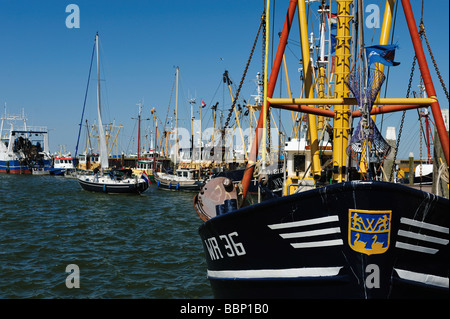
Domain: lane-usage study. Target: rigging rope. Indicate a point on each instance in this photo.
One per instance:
(85, 98)
(168, 107)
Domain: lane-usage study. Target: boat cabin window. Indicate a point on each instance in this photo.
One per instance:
(182, 173)
(299, 163)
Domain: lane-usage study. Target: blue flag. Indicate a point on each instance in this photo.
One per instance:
(383, 54)
(333, 43)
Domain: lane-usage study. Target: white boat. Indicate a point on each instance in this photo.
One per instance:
(62, 165)
(185, 179)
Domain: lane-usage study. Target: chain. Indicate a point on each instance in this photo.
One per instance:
(263, 63)
(245, 73)
(403, 120)
(263, 49)
(422, 32)
(420, 148)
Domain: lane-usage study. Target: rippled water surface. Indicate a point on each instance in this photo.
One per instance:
(126, 246)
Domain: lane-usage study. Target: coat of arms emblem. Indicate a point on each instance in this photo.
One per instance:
(369, 230)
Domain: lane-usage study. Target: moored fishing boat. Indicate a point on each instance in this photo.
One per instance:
(348, 240)
(23, 149)
(184, 179)
(62, 165)
(354, 235)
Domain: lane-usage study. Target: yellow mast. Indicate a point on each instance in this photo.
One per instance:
(309, 89)
(237, 121)
(88, 138)
(115, 139)
(293, 114)
(385, 32)
(266, 76)
(321, 93)
(156, 130)
(342, 111)
(214, 127)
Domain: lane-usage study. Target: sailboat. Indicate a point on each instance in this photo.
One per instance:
(352, 233)
(117, 180)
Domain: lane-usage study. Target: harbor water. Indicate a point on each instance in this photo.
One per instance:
(125, 246)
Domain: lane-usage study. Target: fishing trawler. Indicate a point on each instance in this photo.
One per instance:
(23, 149)
(353, 232)
(104, 180)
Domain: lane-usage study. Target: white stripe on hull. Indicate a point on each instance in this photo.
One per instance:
(275, 273)
(427, 279)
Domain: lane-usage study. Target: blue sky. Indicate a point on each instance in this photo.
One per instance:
(44, 65)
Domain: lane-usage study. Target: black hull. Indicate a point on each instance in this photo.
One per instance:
(114, 189)
(308, 245)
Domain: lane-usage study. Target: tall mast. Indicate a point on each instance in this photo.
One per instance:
(154, 149)
(176, 121)
(139, 130)
(341, 111)
(102, 147)
(265, 107)
(1, 127)
(200, 142)
(214, 126)
(192, 102)
(309, 89)
(363, 98)
(321, 63)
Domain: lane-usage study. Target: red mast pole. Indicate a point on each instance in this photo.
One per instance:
(425, 72)
(139, 132)
(248, 174)
(154, 149)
